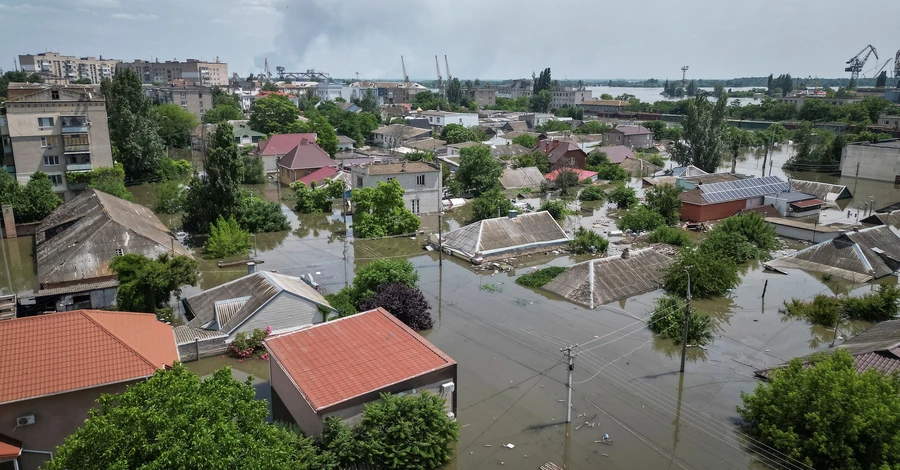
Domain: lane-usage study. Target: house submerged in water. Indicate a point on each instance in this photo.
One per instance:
(502, 237)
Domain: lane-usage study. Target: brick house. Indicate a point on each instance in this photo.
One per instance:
(420, 181)
(304, 159)
(630, 136)
(716, 201)
(563, 154)
(313, 380)
(57, 365)
(277, 146)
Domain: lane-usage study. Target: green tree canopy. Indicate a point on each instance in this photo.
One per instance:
(703, 133)
(176, 420)
(223, 98)
(110, 181)
(368, 102)
(711, 275)
(664, 200)
(667, 320)
(478, 170)
(132, 130)
(217, 192)
(223, 113)
(378, 273)
(641, 219)
(147, 285)
(174, 124)
(490, 204)
(454, 91)
(381, 212)
(623, 197)
(31, 202)
(457, 133)
(540, 101)
(828, 415)
(526, 140)
(593, 127)
(274, 114)
(226, 238)
(326, 137)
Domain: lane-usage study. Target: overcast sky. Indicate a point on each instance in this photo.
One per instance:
(482, 38)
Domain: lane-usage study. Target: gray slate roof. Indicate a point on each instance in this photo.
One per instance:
(225, 307)
(887, 218)
(76, 242)
(823, 191)
(600, 281)
(854, 255)
(514, 178)
(494, 236)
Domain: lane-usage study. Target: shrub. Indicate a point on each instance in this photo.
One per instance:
(378, 273)
(555, 207)
(875, 306)
(670, 236)
(226, 238)
(711, 275)
(316, 199)
(170, 169)
(526, 140)
(404, 302)
(641, 219)
(664, 199)
(111, 181)
(341, 302)
(540, 277)
(490, 204)
(588, 241)
(257, 215)
(667, 320)
(823, 310)
(592, 193)
(610, 172)
(753, 227)
(655, 159)
(169, 197)
(731, 245)
(623, 197)
(245, 346)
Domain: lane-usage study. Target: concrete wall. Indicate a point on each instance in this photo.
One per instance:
(874, 161)
(809, 235)
(56, 417)
(208, 348)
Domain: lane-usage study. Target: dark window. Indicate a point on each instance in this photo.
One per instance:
(420, 180)
(54, 94)
(359, 182)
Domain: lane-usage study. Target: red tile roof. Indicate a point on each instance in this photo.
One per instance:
(306, 154)
(808, 203)
(335, 361)
(62, 352)
(9, 448)
(281, 144)
(582, 174)
(319, 175)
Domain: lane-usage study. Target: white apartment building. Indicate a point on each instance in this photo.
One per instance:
(439, 119)
(568, 97)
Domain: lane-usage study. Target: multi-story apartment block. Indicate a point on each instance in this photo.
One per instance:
(196, 99)
(568, 97)
(55, 129)
(518, 88)
(56, 68)
(192, 71)
(484, 96)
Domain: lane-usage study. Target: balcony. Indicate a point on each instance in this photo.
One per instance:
(79, 148)
(74, 124)
(78, 166)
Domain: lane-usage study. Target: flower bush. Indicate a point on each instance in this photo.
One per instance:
(251, 346)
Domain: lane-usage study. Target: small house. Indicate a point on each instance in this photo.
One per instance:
(508, 235)
(245, 137)
(515, 178)
(304, 159)
(716, 201)
(345, 144)
(630, 136)
(274, 148)
(563, 154)
(334, 369)
(795, 204)
(420, 181)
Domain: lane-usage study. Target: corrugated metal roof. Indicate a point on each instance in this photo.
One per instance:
(513, 178)
(597, 282)
(227, 309)
(185, 334)
(890, 218)
(823, 191)
(87, 287)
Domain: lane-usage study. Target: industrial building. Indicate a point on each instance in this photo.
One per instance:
(872, 160)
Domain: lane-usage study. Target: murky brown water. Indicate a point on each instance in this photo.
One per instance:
(506, 339)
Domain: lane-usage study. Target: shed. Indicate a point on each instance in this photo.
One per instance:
(600, 281)
(825, 191)
(504, 236)
(859, 256)
(514, 178)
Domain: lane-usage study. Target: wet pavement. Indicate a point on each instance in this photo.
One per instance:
(507, 340)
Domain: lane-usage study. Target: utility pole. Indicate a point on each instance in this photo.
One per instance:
(687, 314)
(570, 355)
(440, 211)
(344, 210)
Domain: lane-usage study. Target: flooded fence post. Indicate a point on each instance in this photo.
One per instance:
(765, 286)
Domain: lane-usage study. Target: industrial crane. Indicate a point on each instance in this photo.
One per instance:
(447, 63)
(897, 65)
(440, 82)
(405, 76)
(856, 63)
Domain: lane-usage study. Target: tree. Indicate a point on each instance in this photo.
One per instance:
(554, 125)
(543, 82)
(257, 215)
(175, 125)
(82, 81)
(711, 275)
(318, 198)
(538, 159)
(664, 200)
(32, 202)
(456, 133)
(274, 114)
(703, 129)
(623, 197)
(454, 91)
(252, 169)
(222, 98)
(610, 172)
(588, 241)
(490, 204)
(670, 236)
(566, 181)
(147, 284)
(540, 101)
(592, 193)
(226, 238)
(326, 137)
(641, 219)
(593, 127)
(827, 415)
(368, 102)
(381, 212)
(397, 432)
(132, 131)
(111, 181)
(269, 86)
(381, 272)
(217, 193)
(223, 113)
(478, 170)
(691, 88)
(176, 420)
(555, 207)
(667, 320)
(169, 197)
(526, 140)
(404, 302)
(753, 228)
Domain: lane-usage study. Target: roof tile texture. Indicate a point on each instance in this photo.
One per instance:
(61, 352)
(281, 144)
(374, 350)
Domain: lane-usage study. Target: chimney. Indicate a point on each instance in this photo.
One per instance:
(625, 253)
(555, 144)
(512, 214)
(251, 267)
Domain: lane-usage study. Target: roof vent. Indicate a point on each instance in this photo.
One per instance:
(512, 214)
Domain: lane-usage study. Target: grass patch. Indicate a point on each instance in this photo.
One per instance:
(539, 277)
(670, 236)
(492, 288)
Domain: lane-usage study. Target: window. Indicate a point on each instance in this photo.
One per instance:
(56, 179)
(414, 206)
(120, 252)
(184, 103)
(51, 160)
(201, 104)
(200, 95)
(420, 180)
(48, 141)
(359, 182)
(54, 94)
(45, 122)
(184, 95)
(390, 179)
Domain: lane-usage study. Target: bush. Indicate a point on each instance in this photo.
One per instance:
(111, 181)
(341, 302)
(556, 208)
(610, 172)
(667, 320)
(711, 275)
(670, 236)
(404, 302)
(731, 245)
(623, 197)
(588, 241)
(754, 228)
(823, 310)
(245, 346)
(592, 193)
(526, 140)
(378, 273)
(173, 169)
(540, 277)
(169, 197)
(226, 238)
(257, 215)
(316, 199)
(664, 200)
(641, 219)
(655, 159)
(491, 204)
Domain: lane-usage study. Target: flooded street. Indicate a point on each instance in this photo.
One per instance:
(507, 340)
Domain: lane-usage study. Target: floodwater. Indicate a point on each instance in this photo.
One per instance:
(507, 340)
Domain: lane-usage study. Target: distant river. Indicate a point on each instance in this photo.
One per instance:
(651, 95)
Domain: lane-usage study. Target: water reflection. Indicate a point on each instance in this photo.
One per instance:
(672, 350)
(18, 275)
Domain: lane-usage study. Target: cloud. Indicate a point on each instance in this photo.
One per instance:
(99, 3)
(134, 16)
(26, 7)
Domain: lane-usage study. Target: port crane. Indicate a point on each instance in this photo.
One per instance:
(857, 62)
(447, 63)
(897, 65)
(405, 76)
(440, 80)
